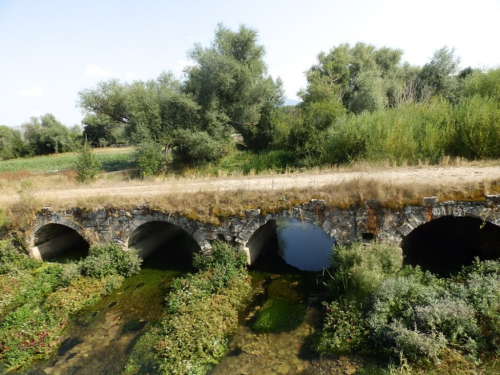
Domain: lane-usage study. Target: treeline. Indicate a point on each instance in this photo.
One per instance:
(40, 136)
(360, 102)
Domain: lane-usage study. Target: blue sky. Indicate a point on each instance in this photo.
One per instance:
(52, 49)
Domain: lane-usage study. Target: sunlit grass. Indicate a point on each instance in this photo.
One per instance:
(112, 159)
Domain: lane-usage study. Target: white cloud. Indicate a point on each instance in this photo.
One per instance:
(181, 64)
(32, 91)
(96, 71)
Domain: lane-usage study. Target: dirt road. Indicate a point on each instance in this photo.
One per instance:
(420, 175)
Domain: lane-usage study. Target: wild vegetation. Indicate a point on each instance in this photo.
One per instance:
(38, 298)
(200, 315)
(412, 318)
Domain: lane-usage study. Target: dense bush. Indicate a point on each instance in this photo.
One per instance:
(407, 133)
(359, 269)
(202, 312)
(110, 259)
(224, 263)
(410, 314)
(150, 159)
(344, 328)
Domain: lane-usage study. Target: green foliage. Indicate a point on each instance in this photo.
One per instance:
(203, 312)
(477, 124)
(344, 329)
(13, 259)
(410, 132)
(200, 146)
(230, 83)
(224, 263)
(46, 135)
(279, 315)
(485, 84)
(102, 131)
(410, 313)
(111, 259)
(87, 165)
(150, 159)
(361, 77)
(439, 76)
(11, 143)
(359, 269)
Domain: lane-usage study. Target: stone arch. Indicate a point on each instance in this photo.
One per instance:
(258, 239)
(52, 239)
(153, 235)
(448, 242)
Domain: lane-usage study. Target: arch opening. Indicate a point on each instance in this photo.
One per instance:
(291, 242)
(54, 239)
(161, 243)
(444, 245)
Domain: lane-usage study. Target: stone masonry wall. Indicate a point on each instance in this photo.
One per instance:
(346, 225)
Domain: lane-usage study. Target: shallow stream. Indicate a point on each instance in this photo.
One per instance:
(100, 338)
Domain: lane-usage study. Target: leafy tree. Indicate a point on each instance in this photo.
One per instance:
(361, 77)
(102, 131)
(485, 84)
(46, 135)
(230, 83)
(11, 143)
(439, 76)
(149, 111)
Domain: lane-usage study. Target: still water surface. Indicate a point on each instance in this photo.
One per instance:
(304, 245)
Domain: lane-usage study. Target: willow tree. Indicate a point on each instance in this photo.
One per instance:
(230, 82)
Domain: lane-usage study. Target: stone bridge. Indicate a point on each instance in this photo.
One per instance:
(146, 229)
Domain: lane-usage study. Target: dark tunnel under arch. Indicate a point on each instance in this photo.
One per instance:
(446, 244)
(164, 237)
(53, 239)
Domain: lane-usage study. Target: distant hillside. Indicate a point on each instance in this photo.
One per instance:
(291, 102)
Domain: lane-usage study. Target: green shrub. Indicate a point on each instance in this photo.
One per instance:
(150, 158)
(224, 263)
(477, 123)
(344, 329)
(413, 344)
(359, 269)
(202, 312)
(279, 315)
(111, 259)
(13, 259)
(87, 165)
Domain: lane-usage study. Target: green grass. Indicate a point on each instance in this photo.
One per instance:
(112, 160)
(247, 162)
